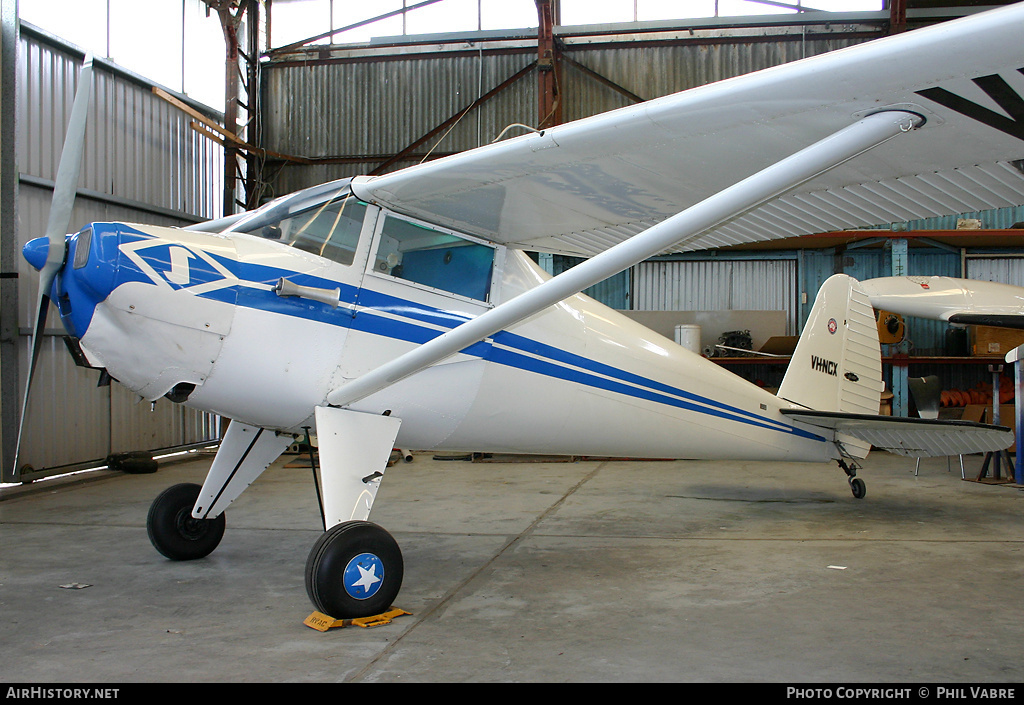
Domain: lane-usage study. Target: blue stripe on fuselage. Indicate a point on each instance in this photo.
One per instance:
(388, 316)
(402, 323)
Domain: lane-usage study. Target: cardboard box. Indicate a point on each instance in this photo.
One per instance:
(780, 345)
(980, 413)
(987, 341)
(885, 403)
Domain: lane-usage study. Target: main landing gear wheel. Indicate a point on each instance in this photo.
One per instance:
(174, 532)
(354, 570)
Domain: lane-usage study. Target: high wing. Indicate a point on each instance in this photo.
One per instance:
(583, 187)
(915, 438)
(787, 151)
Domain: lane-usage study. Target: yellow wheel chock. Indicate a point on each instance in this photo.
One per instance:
(322, 622)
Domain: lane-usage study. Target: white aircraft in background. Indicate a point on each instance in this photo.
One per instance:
(956, 301)
(401, 310)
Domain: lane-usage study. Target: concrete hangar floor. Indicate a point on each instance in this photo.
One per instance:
(592, 570)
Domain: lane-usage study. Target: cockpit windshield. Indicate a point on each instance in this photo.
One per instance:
(325, 220)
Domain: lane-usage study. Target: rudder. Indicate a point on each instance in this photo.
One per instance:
(837, 364)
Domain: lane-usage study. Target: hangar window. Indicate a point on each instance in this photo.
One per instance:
(435, 258)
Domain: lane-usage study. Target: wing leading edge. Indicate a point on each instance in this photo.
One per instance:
(583, 187)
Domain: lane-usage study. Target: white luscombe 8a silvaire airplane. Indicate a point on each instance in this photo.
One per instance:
(402, 310)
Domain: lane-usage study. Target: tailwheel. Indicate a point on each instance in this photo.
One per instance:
(857, 485)
(354, 570)
(174, 532)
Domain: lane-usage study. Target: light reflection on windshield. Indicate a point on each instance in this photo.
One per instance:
(324, 220)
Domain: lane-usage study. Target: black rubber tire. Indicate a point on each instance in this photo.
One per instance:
(358, 549)
(172, 530)
(858, 487)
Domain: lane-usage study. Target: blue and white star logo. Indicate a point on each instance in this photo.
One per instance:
(364, 576)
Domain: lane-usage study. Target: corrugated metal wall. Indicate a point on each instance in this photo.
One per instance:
(1006, 270)
(367, 108)
(615, 291)
(658, 69)
(717, 285)
(377, 104)
(142, 163)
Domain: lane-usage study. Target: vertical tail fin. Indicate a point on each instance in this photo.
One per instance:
(837, 364)
(836, 372)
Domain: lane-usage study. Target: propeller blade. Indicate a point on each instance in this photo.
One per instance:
(66, 183)
(61, 205)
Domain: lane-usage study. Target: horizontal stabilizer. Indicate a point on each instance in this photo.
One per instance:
(913, 437)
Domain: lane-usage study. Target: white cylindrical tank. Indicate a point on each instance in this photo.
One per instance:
(688, 335)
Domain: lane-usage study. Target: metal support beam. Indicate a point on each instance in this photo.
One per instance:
(603, 80)
(546, 260)
(998, 458)
(897, 16)
(232, 14)
(10, 382)
(900, 371)
(229, 23)
(900, 254)
(253, 161)
(729, 203)
(549, 73)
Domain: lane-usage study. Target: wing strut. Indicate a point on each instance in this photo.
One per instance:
(729, 203)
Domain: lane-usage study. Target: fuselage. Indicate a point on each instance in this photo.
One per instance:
(261, 326)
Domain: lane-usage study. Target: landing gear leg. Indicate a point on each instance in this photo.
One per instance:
(857, 485)
(355, 569)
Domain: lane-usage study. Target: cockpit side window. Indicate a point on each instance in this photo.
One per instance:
(331, 231)
(435, 258)
(327, 228)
